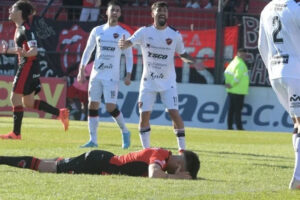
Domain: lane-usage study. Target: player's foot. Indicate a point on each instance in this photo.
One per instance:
(125, 140)
(11, 136)
(89, 144)
(180, 151)
(294, 184)
(64, 117)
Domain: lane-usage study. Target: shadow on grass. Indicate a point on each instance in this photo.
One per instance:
(274, 166)
(222, 153)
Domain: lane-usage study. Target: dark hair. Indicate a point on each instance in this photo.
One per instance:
(26, 7)
(242, 50)
(192, 163)
(114, 3)
(159, 4)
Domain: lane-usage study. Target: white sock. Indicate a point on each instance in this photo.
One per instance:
(121, 122)
(297, 159)
(145, 137)
(93, 127)
(294, 137)
(180, 135)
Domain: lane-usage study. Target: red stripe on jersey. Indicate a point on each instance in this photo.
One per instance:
(148, 156)
(22, 78)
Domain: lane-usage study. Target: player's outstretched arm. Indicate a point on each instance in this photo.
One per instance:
(197, 64)
(155, 171)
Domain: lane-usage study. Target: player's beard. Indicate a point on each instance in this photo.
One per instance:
(162, 22)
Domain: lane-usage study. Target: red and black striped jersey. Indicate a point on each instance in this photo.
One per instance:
(136, 163)
(25, 39)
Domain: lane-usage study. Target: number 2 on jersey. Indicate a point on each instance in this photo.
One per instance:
(277, 28)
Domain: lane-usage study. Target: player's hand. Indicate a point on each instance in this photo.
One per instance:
(21, 52)
(182, 174)
(81, 75)
(198, 65)
(228, 86)
(127, 80)
(121, 43)
(3, 47)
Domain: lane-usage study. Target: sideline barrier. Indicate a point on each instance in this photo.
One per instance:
(206, 106)
(53, 91)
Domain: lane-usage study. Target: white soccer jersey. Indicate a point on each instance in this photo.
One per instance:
(279, 38)
(158, 50)
(108, 54)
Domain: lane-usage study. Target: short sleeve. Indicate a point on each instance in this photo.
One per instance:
(180, 45)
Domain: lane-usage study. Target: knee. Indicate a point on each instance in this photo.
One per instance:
(111, 108)
(28, 103)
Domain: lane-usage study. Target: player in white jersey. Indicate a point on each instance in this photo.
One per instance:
(159, 43)
(105, 74)
(279, 47)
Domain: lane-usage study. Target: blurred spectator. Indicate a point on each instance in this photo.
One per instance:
(137, 3)
(90, 10)
(73, 8)
(229, 8)
(206, 4)
(192, 4)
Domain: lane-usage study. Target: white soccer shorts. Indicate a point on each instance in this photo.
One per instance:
(108, 88)
(168, 97)
(288, 93)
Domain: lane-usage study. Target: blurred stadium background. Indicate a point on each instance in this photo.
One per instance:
(212, 35)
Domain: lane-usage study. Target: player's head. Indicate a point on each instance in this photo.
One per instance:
(113, 11)
(192, 163)
(242, 53)
(159, 12)
(22, 9)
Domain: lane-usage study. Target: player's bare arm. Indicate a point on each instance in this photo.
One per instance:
(127, 79)
(197, 64)
(81, 74)
(155, 171)
(124, 44)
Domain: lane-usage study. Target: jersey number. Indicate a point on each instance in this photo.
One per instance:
(277, 28)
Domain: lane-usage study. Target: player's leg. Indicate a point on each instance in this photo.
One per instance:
(111, 89)
(145, 103)
(27, 162)
(93, 162)
(34, 87)
(288, 93)
(95, 92)
(18, 112)
(170, 100)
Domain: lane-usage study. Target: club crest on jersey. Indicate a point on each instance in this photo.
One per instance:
(116, 35)
(169, 41)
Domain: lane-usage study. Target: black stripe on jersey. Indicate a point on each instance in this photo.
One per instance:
(174, 29)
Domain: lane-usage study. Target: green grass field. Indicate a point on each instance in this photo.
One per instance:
(234, 164)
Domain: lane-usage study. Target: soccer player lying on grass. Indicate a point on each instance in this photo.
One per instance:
(151, 162)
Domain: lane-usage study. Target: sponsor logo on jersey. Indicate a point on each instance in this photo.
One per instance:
(36, 75)
(107, 48)
(295, 101)
(116, 35)
(103, 66)
(156, 76)
(156, 55)
(280, 59)
(169, 41)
